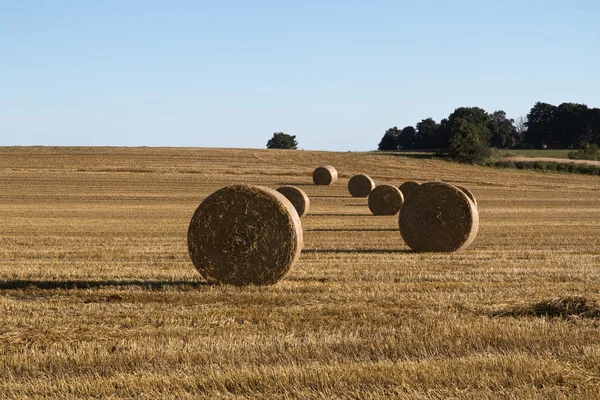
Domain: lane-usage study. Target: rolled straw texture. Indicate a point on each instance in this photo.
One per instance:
(468, 193)
(385, 200)
(325, 175)
(408, 187)
(244, 234)
(297, 197)
(438, 217)
(360, 185)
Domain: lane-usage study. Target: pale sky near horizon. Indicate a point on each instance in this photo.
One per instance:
(336, 74)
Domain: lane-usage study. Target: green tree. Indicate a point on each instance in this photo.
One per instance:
(571, 126)
(465, 141)
(389, 141)
(408, 139)
(503, 131)
(428, 131)
(594, 121)
(540, 125)
(443, 135)
(468, 134)
(473, 115)
(282, 140)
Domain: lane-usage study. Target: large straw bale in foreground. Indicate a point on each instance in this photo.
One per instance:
(244, 234)
(408, 187)
(360, 185)
(385, 200)
(325, 175)
(297, 197)
(437, 216)
(469, 194)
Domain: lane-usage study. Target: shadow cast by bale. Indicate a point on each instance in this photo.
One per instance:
(320, 279)
(295, 184)
(84, 284)
(331, 197)
(562, 307)
(339, 215)
(356, 251)
(352, 230)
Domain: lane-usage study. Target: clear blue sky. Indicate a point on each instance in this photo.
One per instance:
(230, 73)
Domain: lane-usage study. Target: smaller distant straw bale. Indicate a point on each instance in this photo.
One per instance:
(244, 235)
(297, 197)
(360, 185)
(408, 187)
(385, 200)
(326, 174)
(468, 193)
(438, 217)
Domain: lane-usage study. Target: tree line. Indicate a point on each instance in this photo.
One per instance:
(469, 132)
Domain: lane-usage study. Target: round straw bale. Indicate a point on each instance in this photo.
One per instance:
(407, 187)
(297, 197)
(244, 234)
(325, 175)
(385, 200)
(468, 193)
(437, 216)
(360, 185)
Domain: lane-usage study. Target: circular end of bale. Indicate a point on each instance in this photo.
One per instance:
(326, 174)
(438, 217)
(408, 187)
(385, 200)
(360, 185)
(468, 193)
(297, 197)
(244, 235)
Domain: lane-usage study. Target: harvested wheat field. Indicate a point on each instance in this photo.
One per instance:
(99, 298)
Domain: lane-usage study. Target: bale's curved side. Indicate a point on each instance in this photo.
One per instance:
(360, 185)
(326, 174)
(385, 200)
(473, 234)
(297, 197)
(438, 217)
(244, 234)
(408, 187)
(468, 193)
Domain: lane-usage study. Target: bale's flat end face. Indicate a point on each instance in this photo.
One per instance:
(360, 185)
(244, 235)
(326, 174)
(438, 217)
(408, 187)
(385, 200)
(297, 197)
